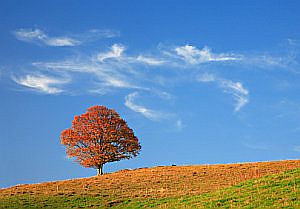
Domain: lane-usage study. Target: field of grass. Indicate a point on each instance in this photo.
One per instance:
(274, 191)
(250, 185)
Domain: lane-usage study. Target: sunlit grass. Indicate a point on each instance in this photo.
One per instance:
(275, 191)
(213, 186)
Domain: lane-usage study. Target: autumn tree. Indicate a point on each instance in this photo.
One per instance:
(99, 136)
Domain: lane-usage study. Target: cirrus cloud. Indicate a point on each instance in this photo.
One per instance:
(148, 113)
(193, 55)
(113, 68)
(41, 83)
(236, 89)
(38, 36)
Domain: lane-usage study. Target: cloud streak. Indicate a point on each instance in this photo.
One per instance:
(240, 94)
(104, 76)
(236, 89)
(41, 83)
(193, 55)
(38, 36)
(115, 52)
(108, 69)
(113, 68)
(148, 113)
(150, 60)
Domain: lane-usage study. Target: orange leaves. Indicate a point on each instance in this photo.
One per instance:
(99, 136)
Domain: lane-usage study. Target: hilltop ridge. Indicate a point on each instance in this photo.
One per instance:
(146, 183)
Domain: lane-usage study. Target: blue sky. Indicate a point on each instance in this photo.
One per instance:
(200, 82)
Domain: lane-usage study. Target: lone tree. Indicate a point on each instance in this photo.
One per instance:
(99, 136)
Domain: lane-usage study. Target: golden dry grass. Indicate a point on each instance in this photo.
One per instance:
(157, 182)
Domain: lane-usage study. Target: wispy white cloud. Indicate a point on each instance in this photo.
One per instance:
(267, 61)
(61, 41)
(148, 113)
(30, 34)
(111, 69)
(236, 89)
(119, 70)
(104, 76)
(172, 57)
(240, 94)
(38, 36)
(41, 83)
(150, 60)
(193, 55)
(116, 51)
(119, 83)
(114, 69)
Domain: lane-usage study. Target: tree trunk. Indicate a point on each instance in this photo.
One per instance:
(99, 170)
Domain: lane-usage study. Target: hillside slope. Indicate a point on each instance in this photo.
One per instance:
(146, 185)
(275, 191)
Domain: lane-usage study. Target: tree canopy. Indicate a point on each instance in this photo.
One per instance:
(99, 136)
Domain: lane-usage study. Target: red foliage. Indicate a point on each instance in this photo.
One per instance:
(99, 136)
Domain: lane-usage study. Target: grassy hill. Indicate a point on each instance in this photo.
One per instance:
(251, 185)
(274, 191)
